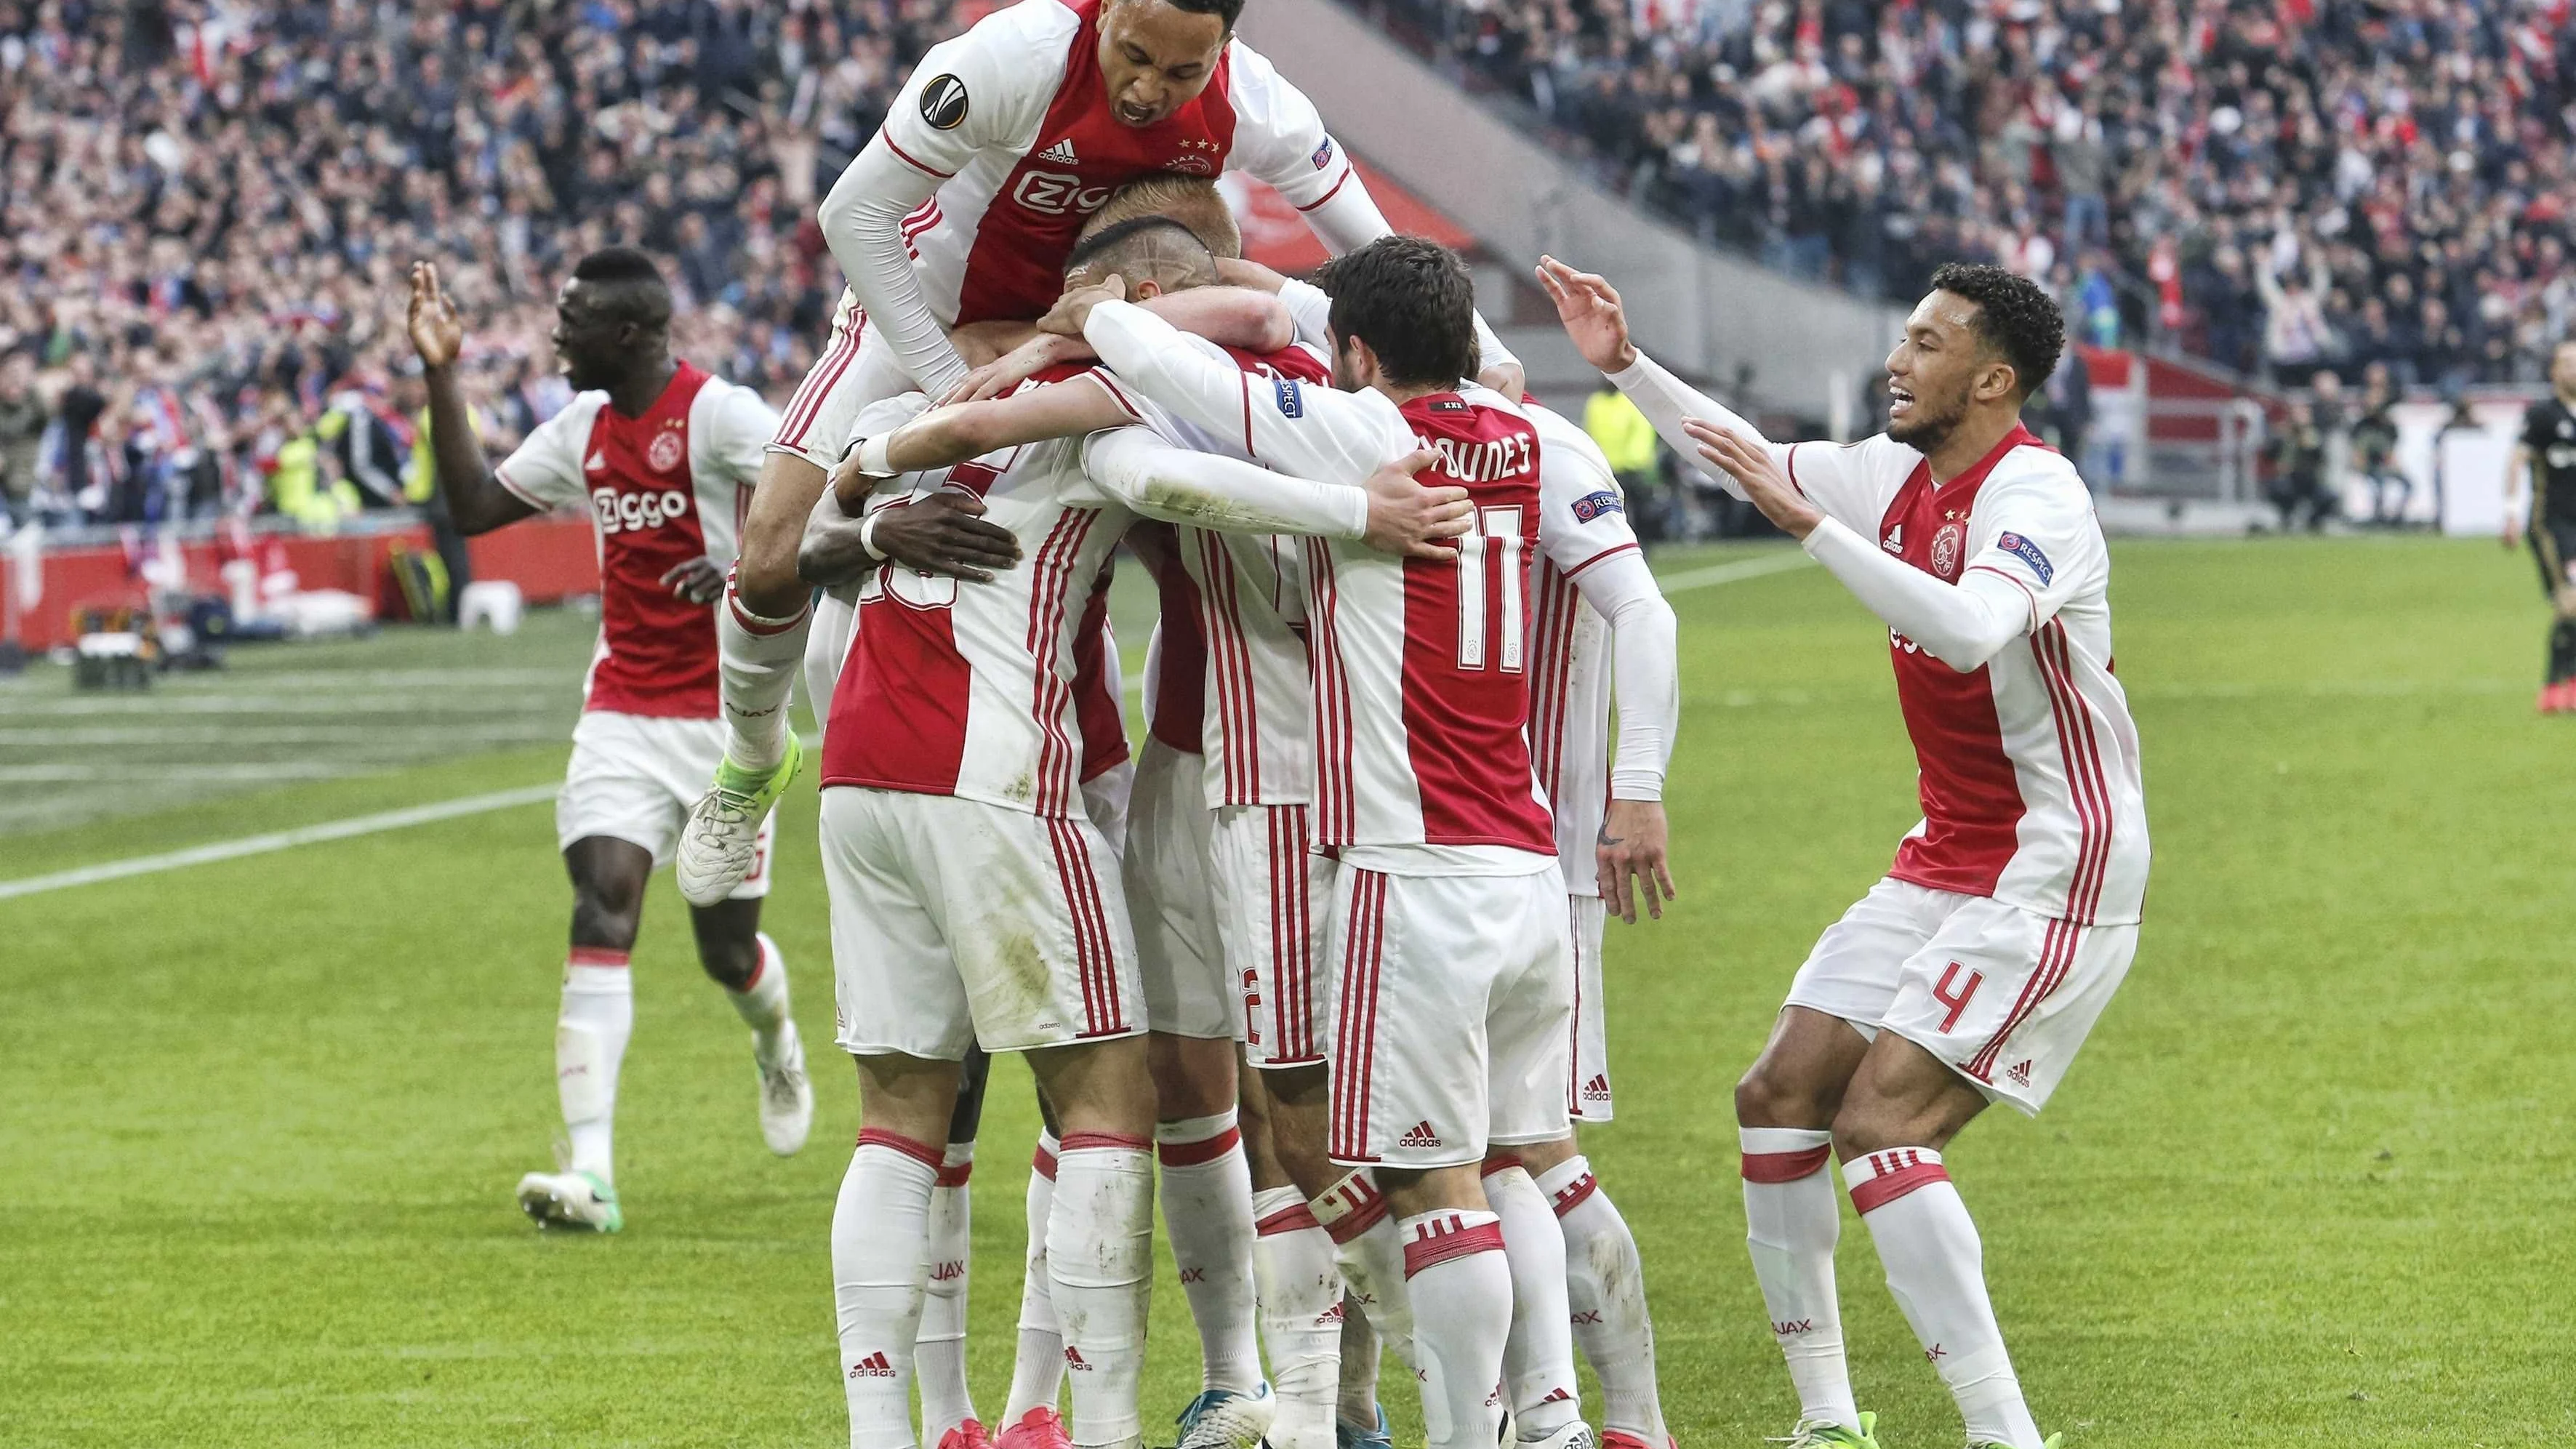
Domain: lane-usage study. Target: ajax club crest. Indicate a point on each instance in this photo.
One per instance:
(663, 454)
(1947, 545)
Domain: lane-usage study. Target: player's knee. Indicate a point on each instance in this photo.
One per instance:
(1867, 1124)
(605, 912)
(1772, 1096)
(729, 961)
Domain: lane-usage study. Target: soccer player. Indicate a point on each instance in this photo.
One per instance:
(2545, 454)
(962, 209)
(966, 883)
(661, 455)
(1974, 971)
(1596, 614)
(1453, 1000)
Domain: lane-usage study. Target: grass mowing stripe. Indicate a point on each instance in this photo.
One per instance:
(1726, 573)
(275, 841)
(85, 737)
(317, 703)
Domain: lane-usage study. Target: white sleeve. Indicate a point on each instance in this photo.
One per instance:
(741, 427)
(1963, 624)
(1279, 137)
(1135, 466)
(965, 96)
(1853, 482)
(1311, 432)
(1312, 309)
(1582, 518)
(545, 469)
(1645, 675)
(2035, 528)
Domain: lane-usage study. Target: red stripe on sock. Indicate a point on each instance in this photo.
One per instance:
(1784, 1166)
(956, 1176)
(1498, 1161)
(1427, 1252)
(595, 956)
(1572, 1195)
(921, 1152)
(1357, 1221)
(1878, 1192)
(1296, 1217)
(1200, 1153)
(1044, 1163)
(1100, 1142)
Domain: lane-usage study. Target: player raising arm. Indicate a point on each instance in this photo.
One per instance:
(1974, 971)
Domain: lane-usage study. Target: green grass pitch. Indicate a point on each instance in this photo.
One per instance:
(2310, 1182)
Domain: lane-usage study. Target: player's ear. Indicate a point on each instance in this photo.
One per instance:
(1145, 291)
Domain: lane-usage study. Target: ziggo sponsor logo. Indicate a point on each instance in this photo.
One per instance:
(629, 512)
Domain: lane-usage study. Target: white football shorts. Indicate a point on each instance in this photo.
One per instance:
(1453, 1015)
(1178, 950)
(1270, 889)
(1587, 1097)
(634, 777)
(955, 922)
(857, 367)
(2003, 995)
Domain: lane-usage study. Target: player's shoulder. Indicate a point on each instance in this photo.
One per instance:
(576, 415)
(1018, 32)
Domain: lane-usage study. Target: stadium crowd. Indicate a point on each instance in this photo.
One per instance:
(210, 209)
(2278, 185)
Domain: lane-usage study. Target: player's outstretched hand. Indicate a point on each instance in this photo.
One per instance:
(700, 581)
(1629, 858)
(1017, 366)
(436, 332)
(1409, 518)
(945, 533)
(1589, 308)
(1764, 483)
(1073, 309)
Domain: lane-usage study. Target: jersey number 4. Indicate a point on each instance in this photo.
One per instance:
(1490, 558)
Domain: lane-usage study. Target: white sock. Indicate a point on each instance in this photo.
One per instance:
(1461, 1288)
(762, 1002)
(1301, 1316)
(939, 1349)
(880, 1232)
(1038, 1373)
(1936, 1268)
(1371, 1254)
(1100, 1265)
(1606, 1293)
(597, 1017)
(1538, 1358)
(1357, 1397)
(1791, 1223)
(757, 663)
(1207, 1213)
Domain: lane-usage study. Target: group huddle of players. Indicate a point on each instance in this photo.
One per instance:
(1326, 950)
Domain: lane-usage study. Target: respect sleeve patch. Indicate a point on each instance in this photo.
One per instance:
(1292, 403)
(1593, 505)
(2029, 553)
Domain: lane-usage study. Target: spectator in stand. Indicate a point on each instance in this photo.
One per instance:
(2296, 455)
(2374, 449)
(23, 417)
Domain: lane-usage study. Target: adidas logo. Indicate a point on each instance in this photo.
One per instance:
(1061, 151)
(1329, 1316)
(2020, 1073)
(1556, 1395)
(1598, 1089)
(595, 462)
(1421, 1135)
(874, 1366)
(1074, 1360)
(1895, 540)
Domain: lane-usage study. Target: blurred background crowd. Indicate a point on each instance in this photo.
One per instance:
(210, 209)
(2276, 185)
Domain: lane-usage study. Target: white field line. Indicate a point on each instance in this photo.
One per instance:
(276, 840)
(1726, 573)
(317, 704)
(94, 736)
(60, 774)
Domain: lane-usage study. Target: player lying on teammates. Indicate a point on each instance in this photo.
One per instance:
(1453, 1000)
(1254, 734)
(966, 882)
(660, 454)
(1207, 1201)
(960, 210)
(1974, 971)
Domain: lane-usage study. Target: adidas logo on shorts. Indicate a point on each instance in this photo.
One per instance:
(2020, 1073)
(1598, 1089)
(1074, 1360)
(1421, 1135)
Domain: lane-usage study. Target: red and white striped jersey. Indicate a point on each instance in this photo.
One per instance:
(2029, 772)
(662, 489)
(972, 689)
(1582, 527)
(1013, 122)
(1421, 686)
(1176, 658)
(1252, 608)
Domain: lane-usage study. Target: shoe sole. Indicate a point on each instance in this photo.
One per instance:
(547, 1210)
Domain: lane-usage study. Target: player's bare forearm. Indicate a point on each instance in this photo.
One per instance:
(950, 435)
(1229, 316)
(475, 498)
(1237, 272)
(833, 551)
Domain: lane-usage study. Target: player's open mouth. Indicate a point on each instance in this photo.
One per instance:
(1898, 400)
(1134, 115)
